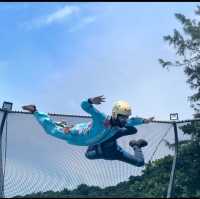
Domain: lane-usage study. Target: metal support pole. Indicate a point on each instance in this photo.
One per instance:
(1, 161)
(172, 176)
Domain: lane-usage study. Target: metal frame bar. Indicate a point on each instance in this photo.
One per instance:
(1, 161)
(51, 114)
(172, 175)
(178, 121)
(155, 121)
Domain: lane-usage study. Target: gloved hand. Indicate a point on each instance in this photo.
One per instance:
(31, 108)
(146, 121)
(97, 100)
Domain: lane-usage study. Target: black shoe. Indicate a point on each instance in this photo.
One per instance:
(140, 143)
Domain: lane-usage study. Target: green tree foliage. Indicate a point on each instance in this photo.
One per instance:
(187, 47)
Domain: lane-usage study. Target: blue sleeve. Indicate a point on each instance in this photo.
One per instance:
(89, 108)
(50, 126)
(134, 121)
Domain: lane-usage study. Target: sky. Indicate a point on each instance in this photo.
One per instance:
(54, 55)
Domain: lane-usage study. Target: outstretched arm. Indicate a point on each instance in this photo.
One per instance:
(129, 129)
(134, 121)
(47, 123)
(50, 126)
(87, 106)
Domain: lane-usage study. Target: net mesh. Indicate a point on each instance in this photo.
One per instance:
(37, 162)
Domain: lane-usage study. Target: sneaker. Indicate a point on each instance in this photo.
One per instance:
(140, 143)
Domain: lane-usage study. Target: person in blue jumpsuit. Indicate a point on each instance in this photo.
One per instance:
(100, 134)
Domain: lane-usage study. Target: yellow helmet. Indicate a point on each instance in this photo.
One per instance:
(121, 107)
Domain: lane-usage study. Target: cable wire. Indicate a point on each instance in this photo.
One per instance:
(166, 133)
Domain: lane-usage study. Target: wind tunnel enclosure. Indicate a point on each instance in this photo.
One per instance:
(34, 161)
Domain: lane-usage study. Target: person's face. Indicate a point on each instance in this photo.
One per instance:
(122, 120)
